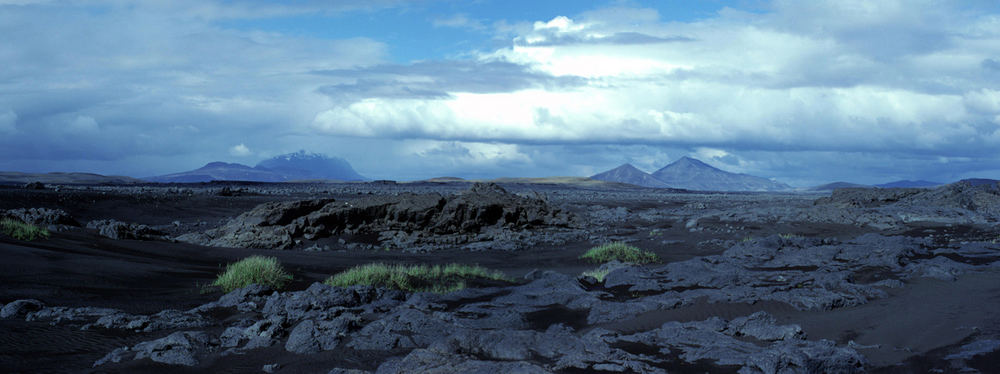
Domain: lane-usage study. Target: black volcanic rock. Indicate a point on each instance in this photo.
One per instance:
(284, 168)
(631, 175)
(689, 173)
(304, 166)
(476, 214)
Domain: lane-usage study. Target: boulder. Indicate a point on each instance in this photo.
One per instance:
(311, 336)
(179, 348)
(124, 231)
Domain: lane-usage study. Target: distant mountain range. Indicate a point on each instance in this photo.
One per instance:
(896, 184)
(65, 178)
(909, 184)
(283, 168)
(691, 174)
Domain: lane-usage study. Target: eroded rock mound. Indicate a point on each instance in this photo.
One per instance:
(118, 230)
(965, 202)
(484, 212)
(41, 216)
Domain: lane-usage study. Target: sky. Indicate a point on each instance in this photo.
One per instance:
(803, 92)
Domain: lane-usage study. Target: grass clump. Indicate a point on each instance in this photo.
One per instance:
(598, 274)
(621, 252)
(22, 231)
(266, 271)
(415, 278)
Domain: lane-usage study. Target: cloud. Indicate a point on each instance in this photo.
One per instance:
(459, 21)
(991, 64)
(157, 80)
(740, 81)
(8, 122)
(563, 30)
(83, 124)
(786, 90)
(240, 150)
(439, 79)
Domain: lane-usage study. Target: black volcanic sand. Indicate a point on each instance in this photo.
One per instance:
(79, 268)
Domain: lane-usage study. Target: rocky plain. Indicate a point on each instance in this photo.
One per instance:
(858, 280)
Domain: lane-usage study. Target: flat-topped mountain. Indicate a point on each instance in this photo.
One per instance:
(220, 171)
(65, 178)
(283, 168)
(631, 175)
(303, 166)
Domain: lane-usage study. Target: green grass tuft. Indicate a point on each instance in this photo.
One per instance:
(22, 231)
(266, 271)
(597, 274)
(621, 252)
(416, 278)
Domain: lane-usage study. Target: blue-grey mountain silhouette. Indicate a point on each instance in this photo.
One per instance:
(909, 184)
(303, 166)
(835, 185)
(283, 168)
(631, 175)
(692, 174)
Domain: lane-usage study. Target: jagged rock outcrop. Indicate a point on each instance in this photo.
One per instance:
(963, 202)
(484, 212)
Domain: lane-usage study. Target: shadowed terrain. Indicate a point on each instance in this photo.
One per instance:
(893, 280)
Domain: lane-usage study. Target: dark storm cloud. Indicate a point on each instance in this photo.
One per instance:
(435, 79)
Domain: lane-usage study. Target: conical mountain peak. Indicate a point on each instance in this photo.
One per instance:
(693, 174)
(626, 173)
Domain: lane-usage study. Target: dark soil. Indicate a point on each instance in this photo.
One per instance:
(77, 267)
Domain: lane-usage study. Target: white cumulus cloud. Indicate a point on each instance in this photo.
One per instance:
(769, 81)
(240, 150)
